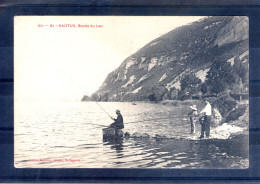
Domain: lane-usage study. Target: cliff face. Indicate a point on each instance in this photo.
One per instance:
(237, 30)
(181, 63)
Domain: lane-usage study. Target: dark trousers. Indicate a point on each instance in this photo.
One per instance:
(112, 125)
(117, 128)
(205, 126)
(192, 125)
(202, 131)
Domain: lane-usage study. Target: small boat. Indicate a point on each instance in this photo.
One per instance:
(134, 103)
(109, 133)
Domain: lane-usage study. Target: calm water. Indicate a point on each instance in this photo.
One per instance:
(66, 134)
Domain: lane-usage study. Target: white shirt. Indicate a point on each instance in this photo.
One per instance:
(207, 109)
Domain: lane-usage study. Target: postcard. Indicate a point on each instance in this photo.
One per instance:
(131, 92)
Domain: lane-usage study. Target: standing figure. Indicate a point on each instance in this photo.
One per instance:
(119, 122)
(206, 113)
(193, 118)
(201, 120)
(216, 116)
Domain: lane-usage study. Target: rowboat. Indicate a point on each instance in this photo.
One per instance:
(109, 133)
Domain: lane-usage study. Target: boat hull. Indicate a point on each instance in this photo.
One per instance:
(112, 133)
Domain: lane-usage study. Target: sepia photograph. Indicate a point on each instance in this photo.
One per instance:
(131, 92)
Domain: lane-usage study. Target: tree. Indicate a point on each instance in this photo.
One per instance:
(95, 96)
(221, 77)
(104, 96)
(204, 88)
(190, 85)
(242, 69)
(156, 92)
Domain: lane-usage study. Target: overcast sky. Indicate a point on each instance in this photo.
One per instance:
(64, 63)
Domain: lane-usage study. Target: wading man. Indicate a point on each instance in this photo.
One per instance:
(193, 118)
(206, 113)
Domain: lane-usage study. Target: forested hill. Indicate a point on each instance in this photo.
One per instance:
(206, 57)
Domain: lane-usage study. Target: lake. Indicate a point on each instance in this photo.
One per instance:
(69, 135)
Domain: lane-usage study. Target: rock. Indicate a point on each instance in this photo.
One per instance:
(159, 137)
(145, 135)
(235, 31)
(127, 135)
(236, 112)
(139, 135)
(136, 135)
(225, 104)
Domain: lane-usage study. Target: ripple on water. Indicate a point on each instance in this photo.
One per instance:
(162, 153)
(163, 164)
(167, 157)
(180, 158)
(67, 141)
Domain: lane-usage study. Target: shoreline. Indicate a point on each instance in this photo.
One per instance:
(221, 131)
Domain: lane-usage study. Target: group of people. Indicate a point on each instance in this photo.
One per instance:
(204, 117)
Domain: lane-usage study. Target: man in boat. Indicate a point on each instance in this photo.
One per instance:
(119, 122)
(206, 113)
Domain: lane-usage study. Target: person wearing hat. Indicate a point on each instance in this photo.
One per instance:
(193, 117)
(206, 113)
(119, 122)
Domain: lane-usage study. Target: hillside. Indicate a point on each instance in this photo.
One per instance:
(204, 58)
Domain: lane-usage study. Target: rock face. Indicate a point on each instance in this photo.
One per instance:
(237, 30)
(184, 63)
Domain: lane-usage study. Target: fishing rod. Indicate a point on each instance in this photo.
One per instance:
(96, 124)
(99, 106)
(73, 81)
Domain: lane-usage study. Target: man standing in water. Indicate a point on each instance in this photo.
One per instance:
(119, 123)
(205, 126)
(193, 117)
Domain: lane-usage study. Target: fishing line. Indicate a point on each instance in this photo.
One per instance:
(97, 125)
(79, 86)
(153, 119)
(100, 106)
(73, 81)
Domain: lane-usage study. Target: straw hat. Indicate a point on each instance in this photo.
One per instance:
(194, 107)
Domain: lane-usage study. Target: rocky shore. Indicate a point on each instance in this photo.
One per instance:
(234, 123)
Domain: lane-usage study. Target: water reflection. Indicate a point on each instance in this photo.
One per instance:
(114, 143)
(73, 137)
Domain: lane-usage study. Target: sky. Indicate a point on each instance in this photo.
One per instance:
(64, 63)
